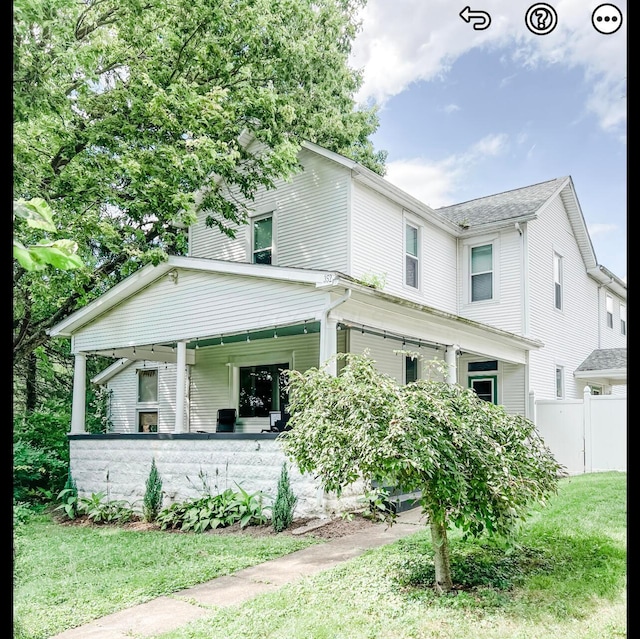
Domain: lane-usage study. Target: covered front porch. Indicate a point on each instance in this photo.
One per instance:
(192, 336)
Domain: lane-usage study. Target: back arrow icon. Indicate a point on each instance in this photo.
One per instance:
(483, 18)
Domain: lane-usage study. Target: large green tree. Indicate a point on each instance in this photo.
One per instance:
(476, 467)
(124, 109)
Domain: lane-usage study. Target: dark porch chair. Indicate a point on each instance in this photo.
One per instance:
(226, 420)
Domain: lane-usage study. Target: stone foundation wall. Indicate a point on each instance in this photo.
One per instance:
(189, 465)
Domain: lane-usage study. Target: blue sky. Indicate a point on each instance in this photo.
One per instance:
(466, 113)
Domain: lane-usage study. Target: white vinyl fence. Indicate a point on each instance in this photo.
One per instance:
(585, 435)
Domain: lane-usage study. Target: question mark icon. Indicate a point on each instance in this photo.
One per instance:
(541, 18)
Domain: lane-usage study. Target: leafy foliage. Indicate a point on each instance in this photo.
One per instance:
(285, 502)
(129, 119)
(476, 466)
(214, 511)
(99, 508)
(152, 501)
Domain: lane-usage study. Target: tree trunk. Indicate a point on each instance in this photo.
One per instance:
(441, 558)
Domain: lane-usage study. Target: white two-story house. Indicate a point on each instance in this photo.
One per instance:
(505, 289)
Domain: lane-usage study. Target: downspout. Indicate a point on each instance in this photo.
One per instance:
(524, 309)
(328, 338)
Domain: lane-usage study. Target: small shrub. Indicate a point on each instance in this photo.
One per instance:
(214, 511)
(152, 501)
(102, 510)
(69, 498)
(284, 504)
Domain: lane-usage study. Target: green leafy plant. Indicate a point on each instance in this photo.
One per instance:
(214, 511)
(69, 498)
(102, 510)
(152, 501)
(284, 503)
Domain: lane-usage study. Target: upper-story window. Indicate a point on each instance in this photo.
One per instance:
(557, 280)
(623, 319)
(609, 311)
(412, 262)
(481, 272)
(262, 240)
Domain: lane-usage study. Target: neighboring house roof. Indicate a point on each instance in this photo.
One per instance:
(608, 363)
(510, 205)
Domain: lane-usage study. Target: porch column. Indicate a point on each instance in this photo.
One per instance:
(450, 360)
(181, 378)
(328, 345)
(78, 406)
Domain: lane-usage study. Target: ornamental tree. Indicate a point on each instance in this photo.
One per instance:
(477, 467)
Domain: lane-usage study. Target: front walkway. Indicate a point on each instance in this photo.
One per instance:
(170, 612)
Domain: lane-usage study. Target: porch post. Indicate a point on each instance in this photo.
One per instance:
(450, 360)
(78, 406)
(181, 378)
(328, 345)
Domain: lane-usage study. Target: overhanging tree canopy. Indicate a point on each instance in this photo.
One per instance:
(124, 109)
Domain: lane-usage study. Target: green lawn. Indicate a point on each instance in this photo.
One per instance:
(564, 579)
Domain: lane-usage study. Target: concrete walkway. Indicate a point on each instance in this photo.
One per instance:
(170, 612)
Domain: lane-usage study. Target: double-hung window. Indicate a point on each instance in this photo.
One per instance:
(262, 240)
(559, 382)
(557, 280)
(147, 400)
(411, 259)
(609, 311)
(481, 272)
(623, 319)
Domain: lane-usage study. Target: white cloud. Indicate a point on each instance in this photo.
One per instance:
(436, 182)
(451, 108)
(601, 229)
(405, 41)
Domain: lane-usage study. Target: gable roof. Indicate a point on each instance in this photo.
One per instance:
(513, 205)
(604, 359)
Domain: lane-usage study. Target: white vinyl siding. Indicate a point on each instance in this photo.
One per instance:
(124, 404)
(569, 337)
(198, 297)
(378, 247)
(212, 383)
(311, 220)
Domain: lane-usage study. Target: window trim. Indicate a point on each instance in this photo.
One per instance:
(559, 382)
(468, 246)
(409, 222)
(147, 406)
(404, 368)
(258, 217)
(558, 281)
(483, 378)
(609, 313)
(623, 320)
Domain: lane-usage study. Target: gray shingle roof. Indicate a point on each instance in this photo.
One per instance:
(501, 206)
(605, 359)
